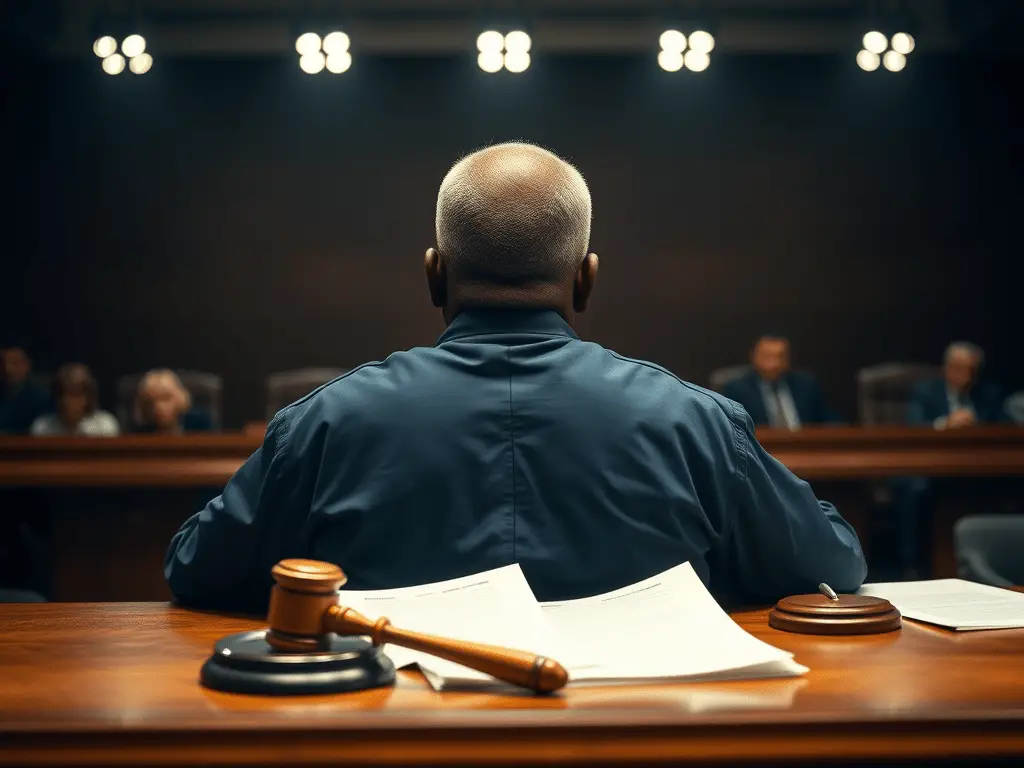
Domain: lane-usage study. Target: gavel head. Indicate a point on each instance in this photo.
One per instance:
(302, 593)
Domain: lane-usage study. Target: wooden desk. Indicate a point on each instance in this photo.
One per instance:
(102, 684)
(116, 502)
(208, 460)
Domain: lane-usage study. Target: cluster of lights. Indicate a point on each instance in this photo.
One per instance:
(674, 54)
(511, 51)
(331, 52)
(874, 52)
(133, 48)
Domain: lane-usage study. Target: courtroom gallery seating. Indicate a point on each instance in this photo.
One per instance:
(883, 391)
(205, 388)
(286, 387)
(990, 549)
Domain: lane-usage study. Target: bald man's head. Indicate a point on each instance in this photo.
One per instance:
(512, 216)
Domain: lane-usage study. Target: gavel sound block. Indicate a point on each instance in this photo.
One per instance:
(315, 645)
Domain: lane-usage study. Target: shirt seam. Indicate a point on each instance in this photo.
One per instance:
(512, 441)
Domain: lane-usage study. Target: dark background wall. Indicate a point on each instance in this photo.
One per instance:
(241, 217)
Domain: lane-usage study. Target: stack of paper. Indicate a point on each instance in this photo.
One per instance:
(953, 603)
(668, 627)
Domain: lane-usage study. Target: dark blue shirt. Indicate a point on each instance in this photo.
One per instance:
(513, 441)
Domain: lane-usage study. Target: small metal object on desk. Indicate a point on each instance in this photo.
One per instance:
(827, 591)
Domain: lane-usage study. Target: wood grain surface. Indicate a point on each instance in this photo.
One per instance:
(106, 684)
(203, 460)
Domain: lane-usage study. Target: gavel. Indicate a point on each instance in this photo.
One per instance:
(304, 611)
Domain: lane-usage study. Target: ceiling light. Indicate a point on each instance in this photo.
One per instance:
(140, 64)
(701, 41)
(867, 61)
(672, 40)
(133, 45)
(307, 44)
(104, 46)
(491, 61)
(875, 42)
(696, 61)
(336, 42)
(339, 62)
(902, 43)
(517, 40)
(113, 64)
(670, 61)
(311, 63)
(894, 61)
(517, 61)
(490, 41)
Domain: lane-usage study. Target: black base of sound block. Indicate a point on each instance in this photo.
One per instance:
(245, 663)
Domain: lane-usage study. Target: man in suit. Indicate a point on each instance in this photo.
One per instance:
(21, 401)
(955, 400)
(959, 398)
(513, 441)
(773, 394)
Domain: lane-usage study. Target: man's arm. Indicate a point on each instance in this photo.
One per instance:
(783, 540)
(221, 558)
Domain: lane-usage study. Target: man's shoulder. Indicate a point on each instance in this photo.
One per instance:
(684, 393)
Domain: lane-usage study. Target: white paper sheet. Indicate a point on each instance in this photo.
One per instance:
(953, 603)
(667, 627)
(495, 607)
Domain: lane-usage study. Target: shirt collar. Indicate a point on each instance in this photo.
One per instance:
(489, 322)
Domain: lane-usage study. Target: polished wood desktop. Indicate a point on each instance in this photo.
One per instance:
(114, 503)
(116, 684)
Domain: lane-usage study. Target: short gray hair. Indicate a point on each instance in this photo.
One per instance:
(965, 346)
(513, 214)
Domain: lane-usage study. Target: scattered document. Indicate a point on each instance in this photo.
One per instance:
(953, 603)
(668, 627)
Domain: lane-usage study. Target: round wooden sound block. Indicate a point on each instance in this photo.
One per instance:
(821, 615)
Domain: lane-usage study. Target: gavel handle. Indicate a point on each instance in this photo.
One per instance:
(521, 668)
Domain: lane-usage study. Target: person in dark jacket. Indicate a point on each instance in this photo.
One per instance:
(960, 398)
(21, 400)
(775, 395)
(513, 441)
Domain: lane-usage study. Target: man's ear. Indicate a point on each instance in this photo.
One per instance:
(437, 279)
(583, 285)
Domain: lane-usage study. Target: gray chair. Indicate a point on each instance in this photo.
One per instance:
(990, 549)
(883, 391)
(1014, 407)
(206, 390)
(286, 387)
(720, 377)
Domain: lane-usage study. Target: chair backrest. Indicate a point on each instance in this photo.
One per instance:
(206, 390)
(720, 377)
(1014, 407)
(285, 387)
(990, 549)
(883, 391)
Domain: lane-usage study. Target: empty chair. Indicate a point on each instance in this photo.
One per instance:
(205, 388)
(990, 549)
(883, 391)
(720, 377)
(286, 387)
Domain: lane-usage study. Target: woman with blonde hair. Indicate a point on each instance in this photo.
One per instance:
(164, 406)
